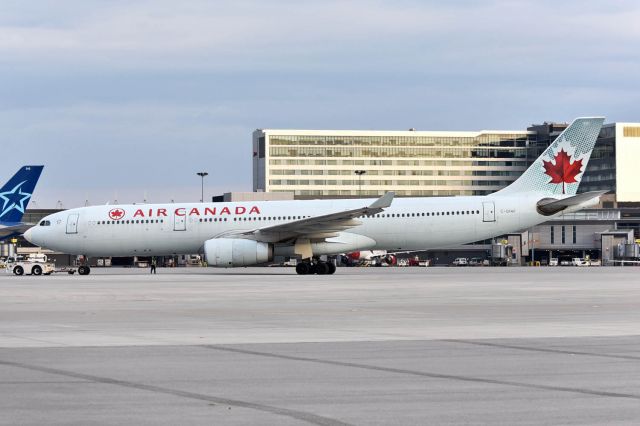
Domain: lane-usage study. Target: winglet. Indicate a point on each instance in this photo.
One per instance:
(384, 201)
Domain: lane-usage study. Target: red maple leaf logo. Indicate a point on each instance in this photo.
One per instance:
(116, 214)
(563, 171)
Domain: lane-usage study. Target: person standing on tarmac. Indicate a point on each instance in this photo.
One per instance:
(153, 265)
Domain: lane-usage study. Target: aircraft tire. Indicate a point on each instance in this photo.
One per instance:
(84, 270)
(18, 270)
(332, 268)
(322, 268)
(36, 270)
(303, 268)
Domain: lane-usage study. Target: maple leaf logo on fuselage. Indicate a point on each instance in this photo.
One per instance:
(563, 171)
(116, 214)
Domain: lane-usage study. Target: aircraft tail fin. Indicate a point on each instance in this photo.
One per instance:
(559, 170)
(16, 193)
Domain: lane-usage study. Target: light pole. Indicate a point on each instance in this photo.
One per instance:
(202, 175)
(360, 173)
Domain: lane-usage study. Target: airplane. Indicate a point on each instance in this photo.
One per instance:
(14, 198)
(250, 233)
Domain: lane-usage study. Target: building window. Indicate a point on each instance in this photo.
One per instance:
(574, 234)
(553, 237)
(631, 132)
(563, 234)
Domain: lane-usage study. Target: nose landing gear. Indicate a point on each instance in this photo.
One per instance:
(310, 267)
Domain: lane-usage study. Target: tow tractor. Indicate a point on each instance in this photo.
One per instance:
(34, 264)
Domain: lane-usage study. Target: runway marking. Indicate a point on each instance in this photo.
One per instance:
(295, 414)
(548, 350)
(427, 374)
(48, 382)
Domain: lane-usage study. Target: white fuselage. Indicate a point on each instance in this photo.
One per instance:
(166, 229)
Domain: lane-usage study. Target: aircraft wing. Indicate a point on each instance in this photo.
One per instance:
(318, 227)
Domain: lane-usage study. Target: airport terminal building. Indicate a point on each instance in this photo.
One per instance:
(353, 163)
(345, 164)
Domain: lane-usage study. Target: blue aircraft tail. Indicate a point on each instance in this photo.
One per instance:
(16, 193)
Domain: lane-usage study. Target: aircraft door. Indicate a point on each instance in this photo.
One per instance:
(72, 223)
(179, 222)
(488, 211)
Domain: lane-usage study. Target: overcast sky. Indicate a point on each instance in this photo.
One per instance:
(127, 100)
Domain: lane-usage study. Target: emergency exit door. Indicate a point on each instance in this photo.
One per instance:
(72, 223)
(179, 222)
(488, 211)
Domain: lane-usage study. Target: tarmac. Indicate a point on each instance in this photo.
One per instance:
(366, 346)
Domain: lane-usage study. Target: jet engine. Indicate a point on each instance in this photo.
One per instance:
(230, 252)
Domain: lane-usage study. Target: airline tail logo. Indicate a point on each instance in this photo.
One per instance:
(561, 169)
(14, 199)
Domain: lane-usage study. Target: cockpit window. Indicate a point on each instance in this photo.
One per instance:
(45, 223)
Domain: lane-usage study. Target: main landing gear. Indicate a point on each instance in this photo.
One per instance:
(318, 267)
(84, 268)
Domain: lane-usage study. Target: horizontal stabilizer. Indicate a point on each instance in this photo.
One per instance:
(551, 206)
(11, 229)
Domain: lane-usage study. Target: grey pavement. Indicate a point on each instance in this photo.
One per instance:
(365, 346)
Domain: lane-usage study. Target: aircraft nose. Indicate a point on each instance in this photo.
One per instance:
(28, 235)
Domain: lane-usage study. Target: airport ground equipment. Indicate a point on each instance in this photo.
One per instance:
(38, 264)
(34, 265)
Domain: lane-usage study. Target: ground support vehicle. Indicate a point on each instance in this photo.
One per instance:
(460, 261)
(30, 266)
